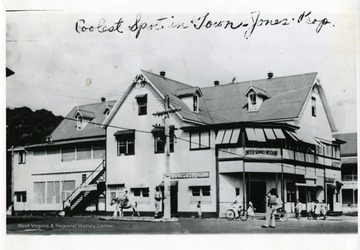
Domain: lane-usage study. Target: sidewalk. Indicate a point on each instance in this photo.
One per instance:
(137, 218)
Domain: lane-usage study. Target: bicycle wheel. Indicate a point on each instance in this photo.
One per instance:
(309, 216)
(230, 214)
(322, 216)
(243, 215)
(283, 217)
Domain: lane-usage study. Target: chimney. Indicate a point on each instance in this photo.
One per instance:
(103, 99)
(270, 75)
(162, 73)
(216, 83)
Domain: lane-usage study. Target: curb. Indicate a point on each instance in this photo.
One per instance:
(145, 219)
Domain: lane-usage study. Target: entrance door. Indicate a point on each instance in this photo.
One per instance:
(256, 191)
(174, 199)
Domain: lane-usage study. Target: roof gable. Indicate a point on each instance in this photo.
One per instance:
(287, 97)
(67, 129)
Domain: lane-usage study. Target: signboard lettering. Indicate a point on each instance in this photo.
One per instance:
(190, 175)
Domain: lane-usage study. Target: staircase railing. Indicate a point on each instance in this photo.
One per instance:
(89, 180)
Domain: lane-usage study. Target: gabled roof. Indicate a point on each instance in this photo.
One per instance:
(67, 130)
(258, 91)
(193, 91)
(169, 87)
(350, 147)
(85, 114)
(227, 103)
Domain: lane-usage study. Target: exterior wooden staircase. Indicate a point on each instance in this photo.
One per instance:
(90, 185)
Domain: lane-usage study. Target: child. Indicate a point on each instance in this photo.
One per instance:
(198, 208)
(251, 210)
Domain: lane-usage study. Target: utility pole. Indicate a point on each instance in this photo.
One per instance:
(166, 115)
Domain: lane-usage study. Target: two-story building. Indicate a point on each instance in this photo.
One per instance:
(349, 171)
(237, 138)
(70, 166)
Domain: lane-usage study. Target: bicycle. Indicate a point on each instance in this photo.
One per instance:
(312, 215)
(230, 214)
(281, 215)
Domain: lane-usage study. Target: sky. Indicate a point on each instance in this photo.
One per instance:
(58, 66)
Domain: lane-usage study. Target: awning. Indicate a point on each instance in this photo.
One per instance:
(172, 183)
(141, 96)
(158, 130)
(292, 135)
(348, 160)
(279, 134)
(305, 185)
(250, 134)
(269, 134)
(125, 133)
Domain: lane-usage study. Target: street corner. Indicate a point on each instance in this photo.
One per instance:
(141, 219)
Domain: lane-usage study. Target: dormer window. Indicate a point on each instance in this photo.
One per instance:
(107, 112)
(83, 118)
(195, 104)
(252, 98)
(256, 97)
(79, 124)
(190, 96)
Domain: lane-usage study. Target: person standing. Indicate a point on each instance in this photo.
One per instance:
(158, 197)
(198, 208)
(274, 202)
(68, 208)
(298, 209)
(251, 210)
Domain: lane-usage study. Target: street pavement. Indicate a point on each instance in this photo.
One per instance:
(47, 225)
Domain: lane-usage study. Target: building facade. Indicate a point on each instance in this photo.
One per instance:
(349, 172)
(239, 138)
(70, 166)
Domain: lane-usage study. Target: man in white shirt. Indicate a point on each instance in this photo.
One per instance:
(237, 204)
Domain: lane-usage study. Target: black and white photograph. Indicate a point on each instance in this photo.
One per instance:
(154, 120)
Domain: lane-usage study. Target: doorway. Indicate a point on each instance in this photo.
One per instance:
(174, 199)
(256, 191)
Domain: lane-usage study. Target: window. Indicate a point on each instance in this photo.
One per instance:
(313, 106)
(140, 192)
(67, 188)
(290, 192)
(99, 152)
(125, 142)
(106, 112)
(68, 154)
(53, 192)
(142, 104)
(83, 178)
(252, 98)
(39, 192)
(200, 191)
(200, 140)
(83, 153)
(79, 124)
(160, 139)
(22, 157)
(21, 196)
(195, 103)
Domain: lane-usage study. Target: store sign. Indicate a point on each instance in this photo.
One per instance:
(190, 175)
(262, 152)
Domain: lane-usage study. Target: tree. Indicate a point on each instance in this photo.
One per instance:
(25, 127)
